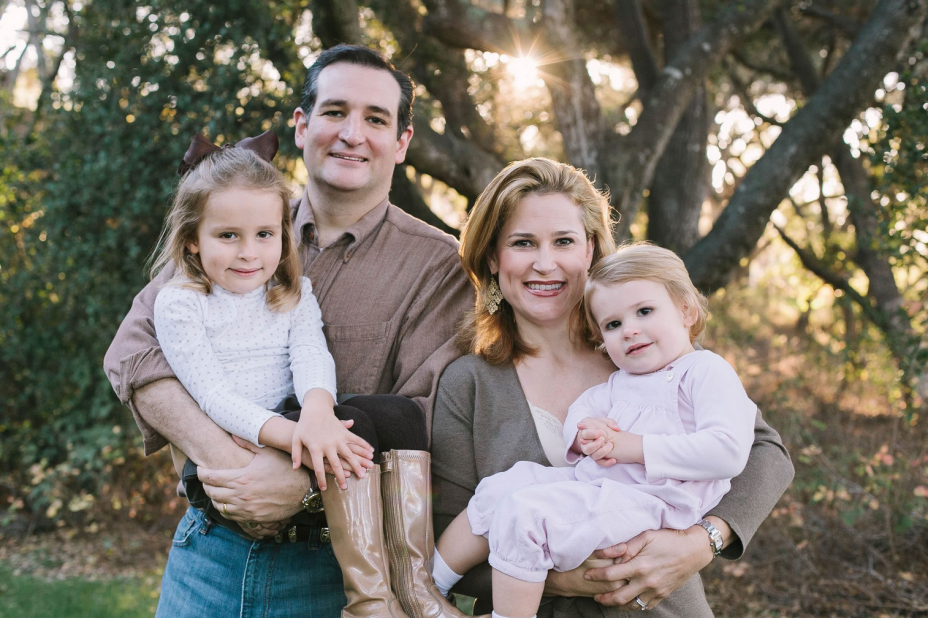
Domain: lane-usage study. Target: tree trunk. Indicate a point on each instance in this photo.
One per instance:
(579, 117)
(634, 158)
(681, 178)
(805, 138)
(336, 21)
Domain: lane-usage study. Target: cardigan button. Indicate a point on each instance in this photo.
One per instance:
(669, 376)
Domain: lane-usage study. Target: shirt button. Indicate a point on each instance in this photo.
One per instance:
(669, 376)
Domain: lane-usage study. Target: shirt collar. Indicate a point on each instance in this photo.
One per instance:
(304, 224)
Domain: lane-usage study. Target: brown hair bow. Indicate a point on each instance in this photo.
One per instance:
(264, 145)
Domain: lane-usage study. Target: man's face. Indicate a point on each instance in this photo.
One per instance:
(349, 140)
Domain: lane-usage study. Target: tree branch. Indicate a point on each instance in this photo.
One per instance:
(818, 268)
(805, 138)
(579, 117)
(863, 211)
(775, 72)
(640, 150)
(456, 162)
(847, 26)
(405, 195)
(630, 20)
(471, 27)
(336, 21)
(442, 70)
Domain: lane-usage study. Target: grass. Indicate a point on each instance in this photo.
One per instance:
(24, 596)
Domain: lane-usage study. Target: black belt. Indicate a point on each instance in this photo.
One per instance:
(295, 533)
(305, 527)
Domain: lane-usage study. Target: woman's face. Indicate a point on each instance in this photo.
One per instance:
(542, 258)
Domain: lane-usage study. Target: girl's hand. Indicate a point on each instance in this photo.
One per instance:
(327, 439)
(596, 438)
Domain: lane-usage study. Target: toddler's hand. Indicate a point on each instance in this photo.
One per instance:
(597, 439)
(328, 441)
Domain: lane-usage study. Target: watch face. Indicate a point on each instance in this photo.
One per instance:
(313, 502)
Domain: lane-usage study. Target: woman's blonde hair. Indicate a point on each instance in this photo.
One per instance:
(495, 337)
(642, 260)
(229, 168)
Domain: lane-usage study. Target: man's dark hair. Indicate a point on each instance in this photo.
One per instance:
(365, 57)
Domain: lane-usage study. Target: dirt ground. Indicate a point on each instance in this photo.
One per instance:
(827, 576)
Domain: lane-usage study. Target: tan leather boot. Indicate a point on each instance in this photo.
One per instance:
(407, 501)
(355, 520)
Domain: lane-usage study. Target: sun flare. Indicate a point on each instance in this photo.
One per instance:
(524, 71)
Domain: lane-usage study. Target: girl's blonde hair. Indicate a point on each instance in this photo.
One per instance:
(642, 260)
(495, 337)
(229, 168)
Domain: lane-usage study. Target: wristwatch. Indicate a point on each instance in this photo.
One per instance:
(715, 537)
(312, 501)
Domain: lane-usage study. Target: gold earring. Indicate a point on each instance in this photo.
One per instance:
(494, 296)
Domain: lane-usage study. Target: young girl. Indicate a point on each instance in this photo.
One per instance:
(240, 326)
(654, 447)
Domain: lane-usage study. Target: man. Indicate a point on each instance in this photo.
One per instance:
(391, 291)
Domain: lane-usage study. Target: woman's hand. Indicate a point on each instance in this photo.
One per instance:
(654, 564)
(266, 491)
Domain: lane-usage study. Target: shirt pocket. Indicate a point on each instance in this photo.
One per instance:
(360, 351)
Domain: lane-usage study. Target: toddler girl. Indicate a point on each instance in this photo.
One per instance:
(654, 447)
(240, 326)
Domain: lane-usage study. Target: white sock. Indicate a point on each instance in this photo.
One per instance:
(495, 615)
(444, 577)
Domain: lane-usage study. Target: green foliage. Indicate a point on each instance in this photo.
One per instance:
(899, 161)
(82, 200)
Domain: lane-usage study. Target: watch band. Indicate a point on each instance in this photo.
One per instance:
(312, 501)
(715, 537)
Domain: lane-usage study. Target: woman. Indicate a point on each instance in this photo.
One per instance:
(528, 245)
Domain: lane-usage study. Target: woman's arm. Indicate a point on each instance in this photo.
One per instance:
(661, 560)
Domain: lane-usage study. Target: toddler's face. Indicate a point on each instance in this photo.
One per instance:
(642, 327)
(239, 238)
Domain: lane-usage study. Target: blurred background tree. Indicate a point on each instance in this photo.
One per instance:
(779, 146)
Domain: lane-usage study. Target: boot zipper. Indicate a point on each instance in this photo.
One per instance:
(403, 588)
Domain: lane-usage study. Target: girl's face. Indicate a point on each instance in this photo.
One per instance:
(643, 328)
(542, 257)
(239, 238)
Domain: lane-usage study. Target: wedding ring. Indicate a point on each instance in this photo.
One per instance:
(251, 524)
(224, 510)
(641, 603)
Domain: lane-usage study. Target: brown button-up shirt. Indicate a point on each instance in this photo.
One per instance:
(391, 290)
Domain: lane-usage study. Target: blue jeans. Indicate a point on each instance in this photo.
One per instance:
(211, 571)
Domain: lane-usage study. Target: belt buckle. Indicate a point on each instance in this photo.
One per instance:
(312, 501)
(325, 536)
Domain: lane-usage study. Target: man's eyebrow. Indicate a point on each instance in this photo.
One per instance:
(376, 109)
(379, 110)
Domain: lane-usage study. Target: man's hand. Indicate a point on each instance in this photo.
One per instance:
(654, 564)
(573, 583)
(266, 491)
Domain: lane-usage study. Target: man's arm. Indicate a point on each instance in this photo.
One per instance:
(166, 407)
(134, 358)
(427, 340)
